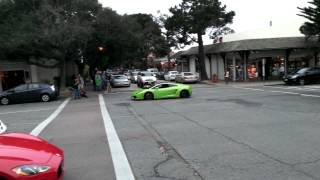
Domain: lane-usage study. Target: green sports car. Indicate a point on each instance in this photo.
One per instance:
(162, 91)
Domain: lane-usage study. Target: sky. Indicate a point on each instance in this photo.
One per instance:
(251, 15)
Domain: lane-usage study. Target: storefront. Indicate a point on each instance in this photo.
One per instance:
(259, 59)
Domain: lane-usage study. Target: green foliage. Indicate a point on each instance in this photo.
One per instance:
(312, 14)
(195, 17)
(72, 30)
(127, 39)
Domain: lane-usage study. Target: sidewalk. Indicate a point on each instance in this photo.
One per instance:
(246, 83)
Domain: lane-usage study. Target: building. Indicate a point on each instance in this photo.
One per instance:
(16, 72)
(259, 57)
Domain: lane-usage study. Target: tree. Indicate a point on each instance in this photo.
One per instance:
(195, 17)
(312, 14)
(51, 29)
(127, 39)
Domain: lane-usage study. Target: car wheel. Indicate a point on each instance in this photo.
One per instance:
(148, 96)
(45, 98)
(4, 101)
(184, 94)
(302, 82)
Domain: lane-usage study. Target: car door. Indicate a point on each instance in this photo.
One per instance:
(167, 91)
(317, 74)
(34, 92)
(20, 93)
(162, 91)
(310, 75)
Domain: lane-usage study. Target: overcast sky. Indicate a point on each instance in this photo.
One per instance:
(250, 14)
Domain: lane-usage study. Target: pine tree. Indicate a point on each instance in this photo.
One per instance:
(312, 14)
(191, 20)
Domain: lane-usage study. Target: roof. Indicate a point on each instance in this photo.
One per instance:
(257, 44)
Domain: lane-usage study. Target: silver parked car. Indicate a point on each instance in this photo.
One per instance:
(119, 81)
(187, 77)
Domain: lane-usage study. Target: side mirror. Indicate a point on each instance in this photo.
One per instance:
(3, 127)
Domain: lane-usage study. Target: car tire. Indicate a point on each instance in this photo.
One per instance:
(4, 101)
(45, 98)
(148, 96)
(184, 94)
(302, 82)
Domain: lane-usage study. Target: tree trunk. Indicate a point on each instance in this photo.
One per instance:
(62, 75)
(203, 71)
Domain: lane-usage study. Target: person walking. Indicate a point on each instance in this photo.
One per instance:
(76, 88)
(98, 81)
(83, 92)
(227, 76)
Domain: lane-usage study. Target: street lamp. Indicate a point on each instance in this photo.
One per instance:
(100, 48)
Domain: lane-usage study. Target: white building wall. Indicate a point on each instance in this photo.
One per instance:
(34, 73)
(214, 64)
(220, 68)
(207, 65)
(192, 64)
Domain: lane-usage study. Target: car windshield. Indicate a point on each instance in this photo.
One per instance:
(120, 77)
(146, 74)
(302, 71)
(188, 74)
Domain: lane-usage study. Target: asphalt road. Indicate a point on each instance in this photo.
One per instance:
(222, 132)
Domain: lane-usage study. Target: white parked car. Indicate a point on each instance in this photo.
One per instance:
(187, 77)
(170, 75)
(146, 78)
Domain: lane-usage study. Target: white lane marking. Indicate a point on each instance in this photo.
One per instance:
(285, 92)
(36, 131)
(120, 162)
(3, 127)
(295, 88)
(309, 95)
(26, 111)
(249, 88)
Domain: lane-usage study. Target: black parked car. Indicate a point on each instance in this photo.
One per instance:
(28, 93)
(304, 76)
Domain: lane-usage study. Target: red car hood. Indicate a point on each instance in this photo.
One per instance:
(21, 149)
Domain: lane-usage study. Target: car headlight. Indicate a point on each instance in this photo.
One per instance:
(294, 76)
(53, 88)
(29, 170)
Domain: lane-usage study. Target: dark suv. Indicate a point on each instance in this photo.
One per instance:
(28, 92)
(303, 76)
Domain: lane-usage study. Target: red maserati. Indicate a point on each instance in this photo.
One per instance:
(26, 157)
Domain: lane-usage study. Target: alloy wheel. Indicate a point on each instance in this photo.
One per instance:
(4, 101)
(45, 97)
(148, 96)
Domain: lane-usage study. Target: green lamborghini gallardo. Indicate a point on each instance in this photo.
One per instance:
(162, 91)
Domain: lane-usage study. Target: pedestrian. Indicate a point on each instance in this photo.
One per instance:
(98, 81)
(76, 88)
(83, 92)
(109, 88)
(227, 76)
